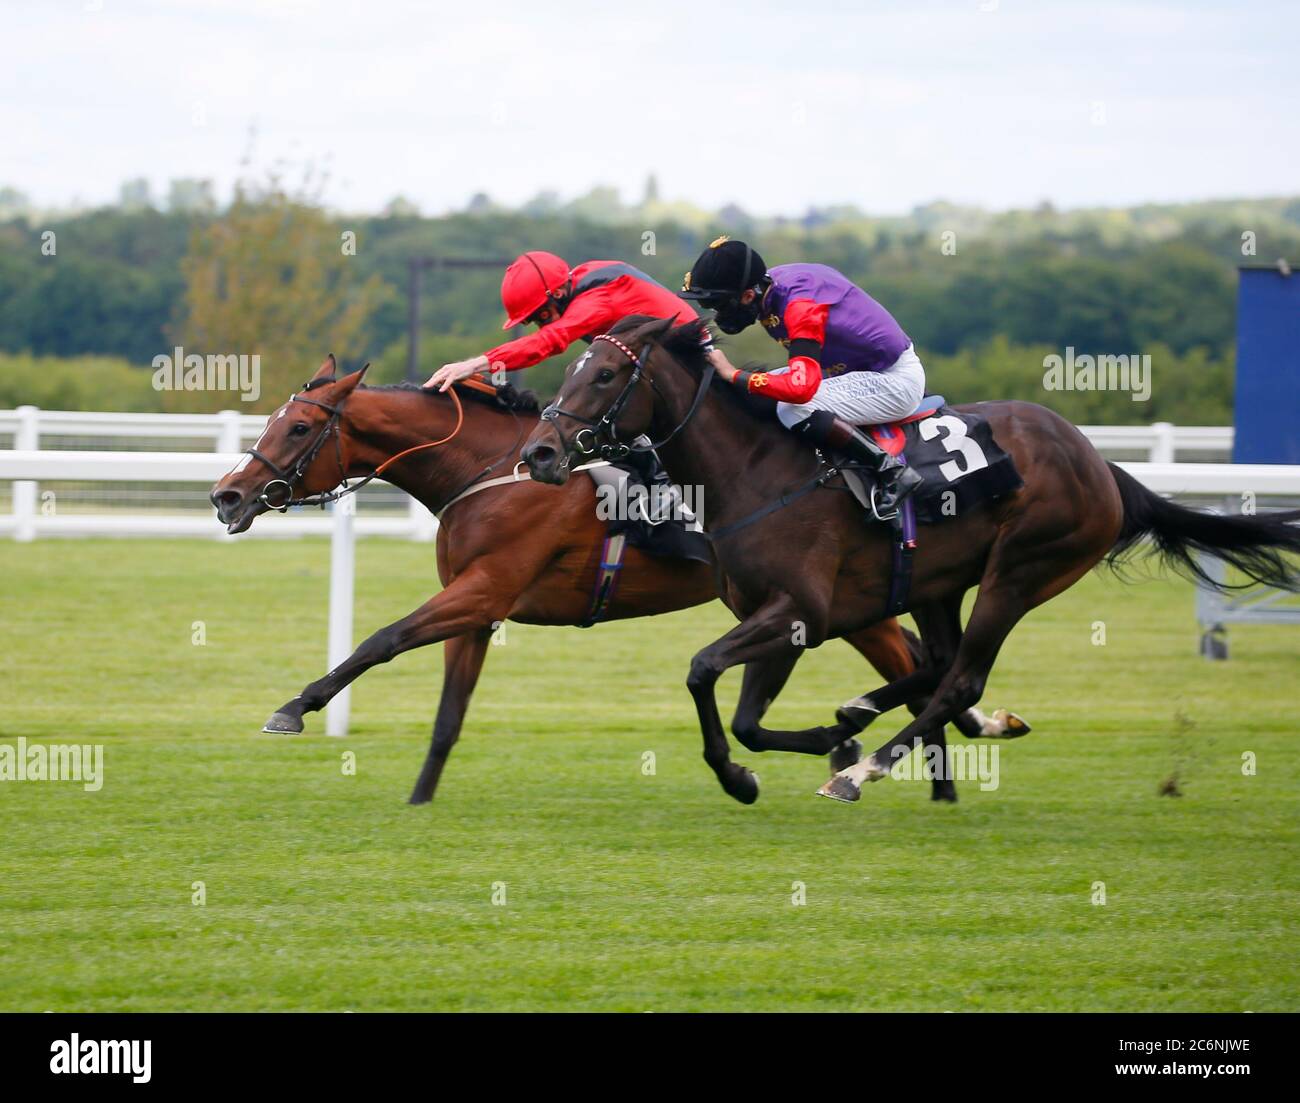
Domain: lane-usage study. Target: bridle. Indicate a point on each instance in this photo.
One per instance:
(602, 433)
(290, 478)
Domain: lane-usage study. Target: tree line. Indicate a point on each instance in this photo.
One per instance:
(88, 300)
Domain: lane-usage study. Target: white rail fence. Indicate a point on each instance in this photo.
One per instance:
(226, 433)
(27, 465)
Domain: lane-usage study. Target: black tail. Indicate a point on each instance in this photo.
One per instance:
(1254, 545)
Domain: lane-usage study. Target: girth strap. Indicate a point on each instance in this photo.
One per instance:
(611, 563)
(900, 582)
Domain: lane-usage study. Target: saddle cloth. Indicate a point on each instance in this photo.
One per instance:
(960, 463)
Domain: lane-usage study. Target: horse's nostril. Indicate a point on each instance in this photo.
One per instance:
(227, 499)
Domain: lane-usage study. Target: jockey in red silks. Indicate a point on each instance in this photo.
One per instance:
(568, 305)
(849, 363)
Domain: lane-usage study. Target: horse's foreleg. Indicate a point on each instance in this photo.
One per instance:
(469, 604)
(886, 648)
(764, 679)
(462, 661)
(762, 638)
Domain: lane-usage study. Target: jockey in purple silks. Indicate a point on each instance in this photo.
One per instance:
(850, 363)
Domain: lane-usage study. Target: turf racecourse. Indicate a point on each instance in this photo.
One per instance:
(622, 890)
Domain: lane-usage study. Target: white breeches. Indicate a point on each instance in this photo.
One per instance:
(865, 397)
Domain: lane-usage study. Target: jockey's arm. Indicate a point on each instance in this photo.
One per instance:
(724, 367)
(586, 313)
(805, 324)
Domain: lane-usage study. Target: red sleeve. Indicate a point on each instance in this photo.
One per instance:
(806, 319)
(805, 326)
(587, 313)
(798, 385)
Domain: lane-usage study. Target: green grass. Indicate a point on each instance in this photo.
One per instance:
(623, 891)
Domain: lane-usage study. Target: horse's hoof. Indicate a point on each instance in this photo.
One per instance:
(845, 755)
(416, 799)
(840, 788)
(948, 796)
(283, 723)
(743, 786)
(1013, 727)
(857, 714)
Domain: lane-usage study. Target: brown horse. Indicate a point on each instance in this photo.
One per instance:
(807, 558)
(519, 551)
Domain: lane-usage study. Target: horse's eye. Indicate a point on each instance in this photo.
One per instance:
(604, 375)
(301, 429)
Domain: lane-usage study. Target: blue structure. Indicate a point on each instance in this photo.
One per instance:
(1267, 416)
(1267, 431)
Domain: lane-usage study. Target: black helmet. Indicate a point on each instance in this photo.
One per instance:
(723, 272)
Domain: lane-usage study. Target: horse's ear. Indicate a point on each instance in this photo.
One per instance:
(654, 331)
(348, 383)
(326, 370)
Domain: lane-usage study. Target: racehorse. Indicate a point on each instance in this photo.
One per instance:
(793, 551)
(506, 549)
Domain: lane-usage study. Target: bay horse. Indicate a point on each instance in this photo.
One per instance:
(521, 551)
(795, 552)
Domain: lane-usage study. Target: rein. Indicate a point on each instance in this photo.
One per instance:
(289, 479)
(603, 436)
(602, 432)
(823, 476)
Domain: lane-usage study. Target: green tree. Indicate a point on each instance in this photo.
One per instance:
(273, 277)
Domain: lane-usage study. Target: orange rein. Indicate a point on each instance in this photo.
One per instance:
(477, 385)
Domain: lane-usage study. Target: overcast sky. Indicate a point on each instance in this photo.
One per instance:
(776, 106)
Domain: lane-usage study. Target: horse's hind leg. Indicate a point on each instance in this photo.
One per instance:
(462, 661)
(996, 612)
(999, 724)
(973, 723)
(934, 745)
(895, 653)
(1020, 574)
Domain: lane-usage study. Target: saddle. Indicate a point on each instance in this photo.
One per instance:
(889, 437)
(961, 467)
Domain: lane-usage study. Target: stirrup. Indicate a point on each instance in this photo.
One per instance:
(875, 507)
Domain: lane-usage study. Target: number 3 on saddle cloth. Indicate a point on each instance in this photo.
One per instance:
(961, 467)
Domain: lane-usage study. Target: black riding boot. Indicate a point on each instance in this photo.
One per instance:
(645, 463)
(894, 479)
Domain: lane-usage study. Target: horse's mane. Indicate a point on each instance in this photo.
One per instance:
(683, 343)
(507, 396)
